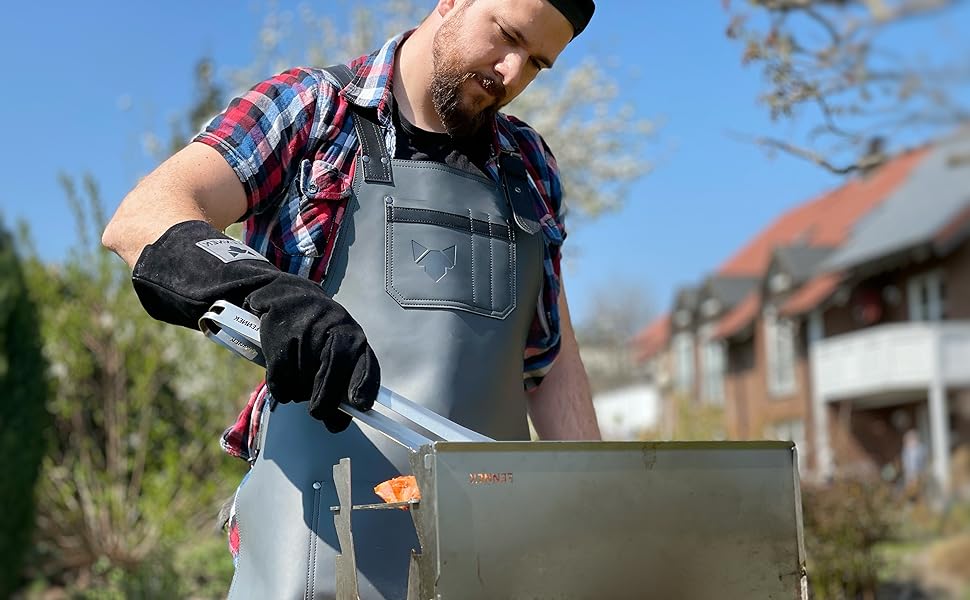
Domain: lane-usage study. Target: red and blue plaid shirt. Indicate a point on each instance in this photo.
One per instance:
(292, 146)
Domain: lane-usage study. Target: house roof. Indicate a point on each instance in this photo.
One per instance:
(740, 316)
(652, 339)
(728, 289)
(935, 199)
(801, 261)
(804, 238)
(824, 221)
(811, 294)
(686, 298)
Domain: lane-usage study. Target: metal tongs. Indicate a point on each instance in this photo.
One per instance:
(238, 330)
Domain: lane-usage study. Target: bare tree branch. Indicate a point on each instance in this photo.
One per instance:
(864, 162)
(855, 85)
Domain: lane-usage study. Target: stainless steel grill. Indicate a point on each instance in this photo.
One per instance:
(575, 520)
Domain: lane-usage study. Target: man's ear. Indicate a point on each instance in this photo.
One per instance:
(445, 6)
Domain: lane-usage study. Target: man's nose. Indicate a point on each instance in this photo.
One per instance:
(510, 68)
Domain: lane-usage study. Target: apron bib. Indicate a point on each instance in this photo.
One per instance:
(443, 276)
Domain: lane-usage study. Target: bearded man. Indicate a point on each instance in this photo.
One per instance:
(399, 230)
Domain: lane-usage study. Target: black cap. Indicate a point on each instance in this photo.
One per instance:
(577, 12)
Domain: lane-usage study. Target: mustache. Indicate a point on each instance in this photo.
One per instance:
(491, 85)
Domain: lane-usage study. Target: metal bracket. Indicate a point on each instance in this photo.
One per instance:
(407, 504)
(345, 562)
(414, 578)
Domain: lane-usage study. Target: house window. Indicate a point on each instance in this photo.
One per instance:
(684, 359)
(710, 307)
(780, 352)
(926, 296)
(712, 368)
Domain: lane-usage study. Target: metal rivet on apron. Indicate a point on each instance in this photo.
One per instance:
(388, 200)
(384, 160)
(365, 158)
(312, 188)
(316, 485)
(518, 190)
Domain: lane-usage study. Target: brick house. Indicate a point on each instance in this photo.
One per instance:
(849, 318)
(892, 350)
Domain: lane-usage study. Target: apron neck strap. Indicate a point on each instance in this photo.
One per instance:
(374, 157)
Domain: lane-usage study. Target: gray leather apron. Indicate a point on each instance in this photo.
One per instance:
(443, 276)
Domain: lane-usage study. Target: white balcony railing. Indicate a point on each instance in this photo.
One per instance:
(891, 357)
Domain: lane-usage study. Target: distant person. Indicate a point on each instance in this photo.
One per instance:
(913, 461)
(392, 214)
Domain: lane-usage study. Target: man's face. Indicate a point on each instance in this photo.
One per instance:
(486, 52)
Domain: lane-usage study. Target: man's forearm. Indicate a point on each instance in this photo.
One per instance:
(194, 184)
(562, 406)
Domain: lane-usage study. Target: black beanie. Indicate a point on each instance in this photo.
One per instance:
(577, 12)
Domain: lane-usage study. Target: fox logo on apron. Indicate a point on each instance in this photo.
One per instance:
(436, 263)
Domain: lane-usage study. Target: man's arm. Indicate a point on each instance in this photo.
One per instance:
(195, 184)
(561, 408)
(168, 229)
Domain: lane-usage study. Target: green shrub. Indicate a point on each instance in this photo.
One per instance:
(23, 418)
(844, 522)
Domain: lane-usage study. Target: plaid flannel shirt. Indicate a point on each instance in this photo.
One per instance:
(292, 146)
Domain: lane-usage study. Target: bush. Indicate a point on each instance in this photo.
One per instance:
(132, 470)
(196, 568)
(844, 522)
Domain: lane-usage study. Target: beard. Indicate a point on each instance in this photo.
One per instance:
(459, 111)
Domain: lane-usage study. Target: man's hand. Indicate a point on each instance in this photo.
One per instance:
(314, 349)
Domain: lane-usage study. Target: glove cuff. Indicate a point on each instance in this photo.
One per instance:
(192, 265)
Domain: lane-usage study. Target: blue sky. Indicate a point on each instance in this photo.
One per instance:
(66, 75)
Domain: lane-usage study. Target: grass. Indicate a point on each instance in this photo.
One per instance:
(933, 553)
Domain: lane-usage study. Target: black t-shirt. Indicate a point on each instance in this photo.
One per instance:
(413, 143)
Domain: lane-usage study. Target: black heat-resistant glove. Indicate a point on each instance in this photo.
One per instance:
(314, 349)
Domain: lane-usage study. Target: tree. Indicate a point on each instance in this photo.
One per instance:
(836, 63)
(23, 418)
(599, 141)
(617, 312)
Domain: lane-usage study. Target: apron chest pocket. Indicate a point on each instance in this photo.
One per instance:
(437, 259)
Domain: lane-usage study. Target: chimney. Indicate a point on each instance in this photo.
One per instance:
(874, 156)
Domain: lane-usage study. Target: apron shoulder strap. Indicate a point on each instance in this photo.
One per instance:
(374, 156)
(515, 180)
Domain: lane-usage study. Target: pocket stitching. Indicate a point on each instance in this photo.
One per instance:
(404, 301)
(491, 265)
(471, 241)
(514, 278)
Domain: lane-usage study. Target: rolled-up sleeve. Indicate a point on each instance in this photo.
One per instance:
(265, 132)
(543, 342)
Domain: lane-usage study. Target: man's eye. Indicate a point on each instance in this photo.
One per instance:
(506, 34)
